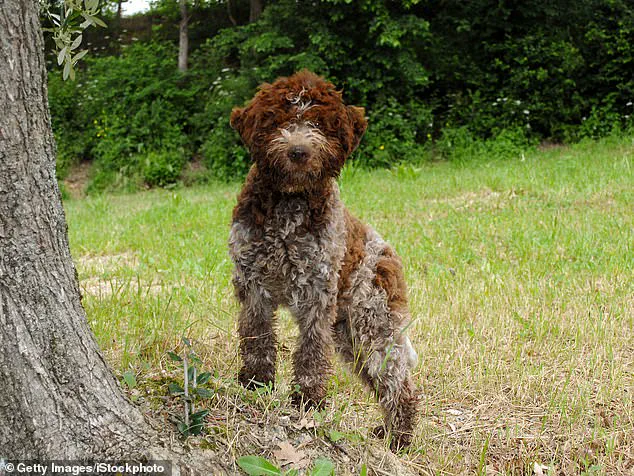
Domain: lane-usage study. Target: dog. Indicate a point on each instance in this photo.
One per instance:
(294, 244)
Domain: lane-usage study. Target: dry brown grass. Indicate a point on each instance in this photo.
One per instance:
(521, 281)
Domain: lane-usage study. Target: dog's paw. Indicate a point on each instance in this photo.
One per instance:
(252, 381)
(398, 441)
(379, 431)
(308, 401)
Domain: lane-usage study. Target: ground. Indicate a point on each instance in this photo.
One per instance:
(521, 284)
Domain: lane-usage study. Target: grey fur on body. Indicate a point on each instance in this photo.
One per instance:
(301, 271)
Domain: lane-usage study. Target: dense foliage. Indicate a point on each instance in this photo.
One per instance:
(437, 79)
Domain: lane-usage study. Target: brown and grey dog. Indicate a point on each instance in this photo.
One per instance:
(294, 244)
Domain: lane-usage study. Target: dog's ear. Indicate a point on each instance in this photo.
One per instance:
(237, 119)
(243, 121)
(358, 125)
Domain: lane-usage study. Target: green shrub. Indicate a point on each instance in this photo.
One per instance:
(396, 134)
(69, 123)
(222, 151)
(461, 145)
(162, 168)
(121, 111)
(483, 79)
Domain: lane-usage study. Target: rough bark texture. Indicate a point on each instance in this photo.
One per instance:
(183, 37)
(255, 10)
(58, 399)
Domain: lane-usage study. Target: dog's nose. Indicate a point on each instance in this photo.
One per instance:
(298, 153)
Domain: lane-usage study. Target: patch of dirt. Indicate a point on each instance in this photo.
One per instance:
(548, 145)
(77, 179)
(97, 265)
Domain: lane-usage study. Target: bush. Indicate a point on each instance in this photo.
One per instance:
(130, 106)
(461, 145)
(481, 78)
(162, 168)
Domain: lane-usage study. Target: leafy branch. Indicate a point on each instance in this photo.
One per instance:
(73, 18)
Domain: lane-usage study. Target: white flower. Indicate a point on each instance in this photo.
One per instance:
(526, 111)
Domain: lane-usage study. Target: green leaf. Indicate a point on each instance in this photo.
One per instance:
(100, 22)
(175, 389)
(203, 378)
(196, 428)
(175, 357)
(60, 56)
(66, 71)
(91, 4)
(335, 435)
(130, 379)
(79, 56)
(184, 430)
(364, 470)
(199, 415)
(257, 466)
(75, 44)
(204, 392)
(190, 374)
(323, 467)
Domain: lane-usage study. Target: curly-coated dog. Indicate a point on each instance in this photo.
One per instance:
(294, 244)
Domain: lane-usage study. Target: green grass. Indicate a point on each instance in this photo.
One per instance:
(521, 276)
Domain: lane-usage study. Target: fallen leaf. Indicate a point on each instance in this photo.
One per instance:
(539, 469)
(287, 454)
(305, 424)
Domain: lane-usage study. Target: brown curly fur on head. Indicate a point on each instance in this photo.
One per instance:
(302, 115)
(294, 244)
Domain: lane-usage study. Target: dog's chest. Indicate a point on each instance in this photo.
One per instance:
(288, 253)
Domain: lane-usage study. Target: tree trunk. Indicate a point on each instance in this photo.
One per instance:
(230, 14)
(255, 10)
(183, 37)
(58, 399)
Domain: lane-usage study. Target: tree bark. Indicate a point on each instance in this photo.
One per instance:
(255, 10)
(183, 37)
(230, 14)
(58, 399)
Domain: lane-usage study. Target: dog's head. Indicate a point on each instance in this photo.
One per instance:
(299, 130)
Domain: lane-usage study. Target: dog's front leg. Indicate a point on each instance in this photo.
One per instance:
(312, 358)
(257, 338)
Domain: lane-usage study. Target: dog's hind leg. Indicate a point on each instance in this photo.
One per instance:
(370, 334)
(386, 371)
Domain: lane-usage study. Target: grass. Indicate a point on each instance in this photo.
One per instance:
(521, 276)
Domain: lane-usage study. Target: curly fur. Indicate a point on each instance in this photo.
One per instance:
(294, 244)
